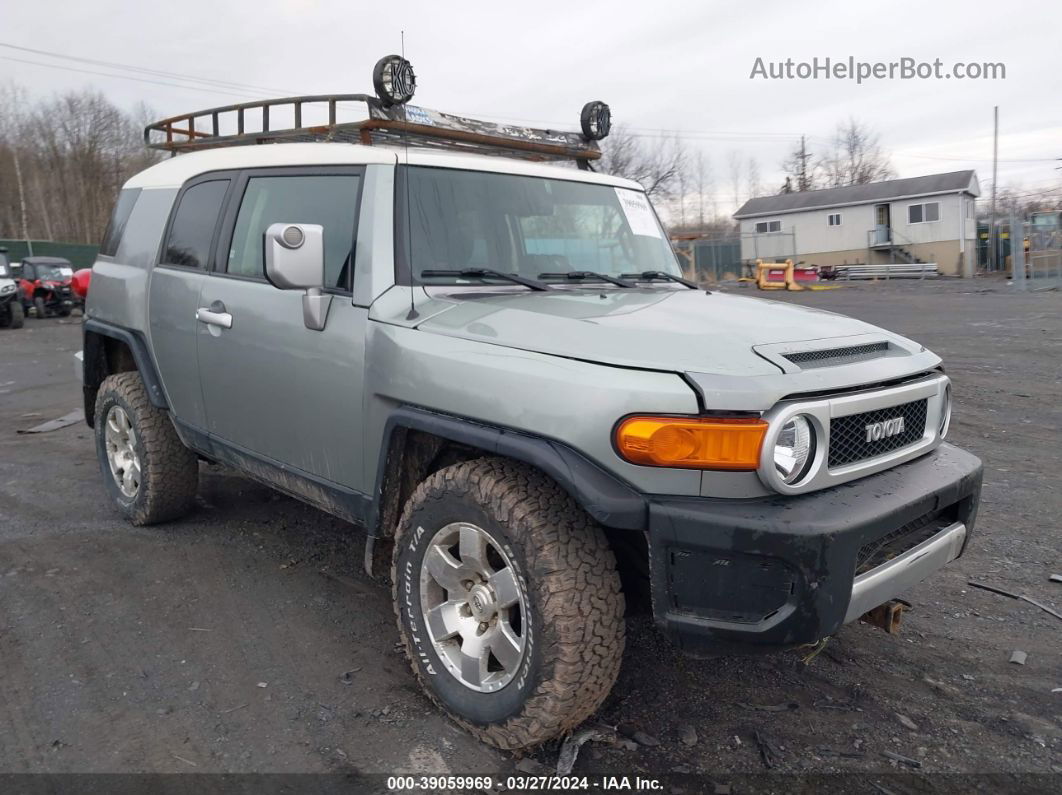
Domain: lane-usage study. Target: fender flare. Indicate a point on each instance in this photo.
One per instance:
(137, 345)
(608, 499)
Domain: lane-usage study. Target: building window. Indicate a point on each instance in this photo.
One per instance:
(833, 219)
(923, 213)
(768, 226)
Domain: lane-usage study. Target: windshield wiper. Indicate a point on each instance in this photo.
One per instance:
(486, 273)
(585, 276)
(660, 276)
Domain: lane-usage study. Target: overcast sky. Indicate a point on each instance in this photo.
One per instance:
(676, 66)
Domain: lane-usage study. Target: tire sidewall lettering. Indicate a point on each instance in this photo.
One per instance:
(422, 648)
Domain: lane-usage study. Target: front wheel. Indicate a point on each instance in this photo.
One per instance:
(39, 306)
(508, 602)
(18, 314)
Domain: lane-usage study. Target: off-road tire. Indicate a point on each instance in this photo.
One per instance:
(18, 314)
(42, 310)
(64, 312)
(169, 470)
(572, 589)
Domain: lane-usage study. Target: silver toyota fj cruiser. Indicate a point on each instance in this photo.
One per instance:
(494, 365)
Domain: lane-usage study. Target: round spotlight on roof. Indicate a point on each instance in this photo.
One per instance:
(394, 80)
(596, 120)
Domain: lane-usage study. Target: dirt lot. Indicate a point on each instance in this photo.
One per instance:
(220, 643)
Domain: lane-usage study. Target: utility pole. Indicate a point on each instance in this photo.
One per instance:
(22, 201)
(993, 252)
(803, 178)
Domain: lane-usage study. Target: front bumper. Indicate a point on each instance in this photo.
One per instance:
(782, 571)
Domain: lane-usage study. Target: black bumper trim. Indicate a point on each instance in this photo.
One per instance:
(778, 571)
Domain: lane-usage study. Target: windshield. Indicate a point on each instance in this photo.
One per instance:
(54, 273)
(529, 226)
(4, 272)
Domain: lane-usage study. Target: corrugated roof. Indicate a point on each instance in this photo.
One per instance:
(859, 194)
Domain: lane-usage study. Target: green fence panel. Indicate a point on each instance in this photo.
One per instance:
(81, 255)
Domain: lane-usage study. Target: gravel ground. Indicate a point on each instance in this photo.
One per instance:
(245, 637)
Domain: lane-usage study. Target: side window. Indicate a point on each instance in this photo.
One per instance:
(328, 200)
(123, 208)
(194, 222)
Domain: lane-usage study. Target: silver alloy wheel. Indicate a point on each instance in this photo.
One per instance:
(473, 607)
(121, 451)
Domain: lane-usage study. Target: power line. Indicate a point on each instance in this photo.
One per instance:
(122, 77)
(224, 87)
(145, 70)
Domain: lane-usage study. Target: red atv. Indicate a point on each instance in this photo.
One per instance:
(44, 284)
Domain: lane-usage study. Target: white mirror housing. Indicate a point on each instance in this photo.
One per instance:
(294, 260)
(294, 256)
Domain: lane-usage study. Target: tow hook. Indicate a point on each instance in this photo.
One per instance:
(887, 616)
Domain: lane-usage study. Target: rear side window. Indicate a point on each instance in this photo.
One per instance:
(123, 208)
(191, 233)
(328, 200)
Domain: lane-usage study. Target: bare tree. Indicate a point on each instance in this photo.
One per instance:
(754, 185)
(656, 163)
(74, 152)
(799, 168)
(735, 170)
(702, 170)
(856, 157)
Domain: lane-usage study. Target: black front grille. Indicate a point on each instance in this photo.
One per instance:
(848, 435)
(835, 356)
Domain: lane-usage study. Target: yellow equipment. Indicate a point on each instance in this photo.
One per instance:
(776, 276)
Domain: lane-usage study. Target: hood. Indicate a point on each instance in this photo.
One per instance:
(654, 328)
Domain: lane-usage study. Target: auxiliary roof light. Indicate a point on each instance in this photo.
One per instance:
(394, 80)
(596, 120)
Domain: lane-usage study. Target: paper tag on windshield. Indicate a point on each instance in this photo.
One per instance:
(639, 213)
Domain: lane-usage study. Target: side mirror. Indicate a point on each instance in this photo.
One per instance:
(294, 260)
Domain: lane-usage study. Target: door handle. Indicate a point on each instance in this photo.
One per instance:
(214, 315)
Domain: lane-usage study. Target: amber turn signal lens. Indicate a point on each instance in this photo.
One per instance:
(692, 443)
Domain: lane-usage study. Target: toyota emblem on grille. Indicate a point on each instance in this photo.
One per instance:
(876, 431)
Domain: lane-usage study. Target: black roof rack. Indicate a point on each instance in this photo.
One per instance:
(389, 120)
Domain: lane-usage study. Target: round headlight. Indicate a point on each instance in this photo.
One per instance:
(945, 412)
(794, 449)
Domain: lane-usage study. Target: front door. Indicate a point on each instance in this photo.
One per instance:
(882, 225)
(274, 389)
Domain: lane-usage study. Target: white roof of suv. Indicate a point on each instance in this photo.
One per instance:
(174, 172)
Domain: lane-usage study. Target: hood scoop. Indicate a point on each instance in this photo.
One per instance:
(833, 357)
(825, 353)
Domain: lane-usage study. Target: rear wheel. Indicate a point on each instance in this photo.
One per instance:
(38, 305)
(508, 602)
(150, 474)
(18, 314)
